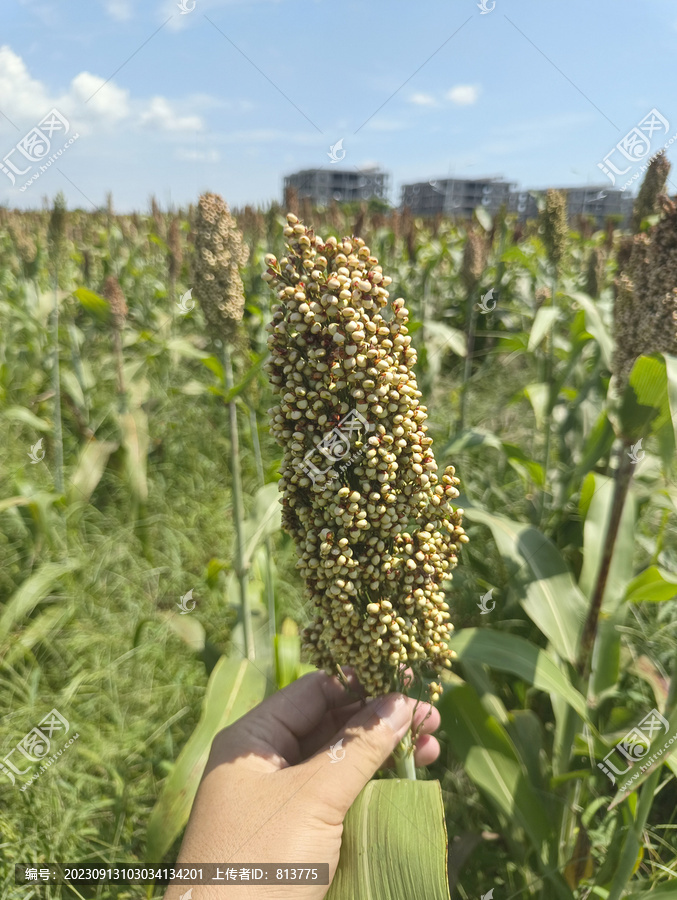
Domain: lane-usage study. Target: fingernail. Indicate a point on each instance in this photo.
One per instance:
(394, 711)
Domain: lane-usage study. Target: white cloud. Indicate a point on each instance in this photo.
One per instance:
(159, 114)
(89, 103)
(464, 94)
(120, 10)
(107, 100)
(423, 100)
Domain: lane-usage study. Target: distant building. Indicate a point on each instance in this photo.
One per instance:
(459, 197)
(599, 202)
(456, 197)
(523, 204)
(322, 186)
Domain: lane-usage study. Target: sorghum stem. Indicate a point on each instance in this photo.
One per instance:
(270, 591)
(552, 397)
(404, 758)
(58, 432)
(471, 315)
(238, 511)
(621, 486)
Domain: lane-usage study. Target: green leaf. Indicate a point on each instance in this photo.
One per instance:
(264, 520)
(21, 414)
(509, 653)
(33, 590)
(235, 687)
(544, 584)
(287, 659)
(597, 494)
(12, 502)
(249, 376)
(595, 325)
(492, 763)
(544, 319)
(186, 348)
(484, 218)
(89, 469)
(394, 844)
(634, 777)
(93, 303)
(134, 427)
(539, 397)
(438, 337)
(645, 404)
(654, 585)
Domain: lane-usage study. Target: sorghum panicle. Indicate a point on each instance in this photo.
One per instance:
(474, 262)
(219, 254)
(377, 541)
(116, 300)
(555, 226)
(653, 187)
(645, 311)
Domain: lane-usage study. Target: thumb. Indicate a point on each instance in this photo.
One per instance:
(361, 747)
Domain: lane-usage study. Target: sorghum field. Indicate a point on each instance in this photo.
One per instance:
(149, 593)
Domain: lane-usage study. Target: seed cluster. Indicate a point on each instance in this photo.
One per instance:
(219, 254)
(377, 540)
(645, 311)
(555, 226)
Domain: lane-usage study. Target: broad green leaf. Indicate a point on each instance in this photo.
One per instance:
(235, 687)
(469, 439)
(39, 629)
(491, 761)
(540, 576)
(645, 404)
(671, 373)
(510, 653)
(634, 777)
(265, 519)
(544, 319)
(287, 659)
(662, 892)
(655, 585)
(11, 502)
(93, 303)
(539, 397)
(21, 414)
(394, 844)
(438, 337)
(134, 427)
(188, 628)
(484, 218)
(597, 495)
(89, 469)
(249, 376)
(186, 348)
(595, 325)
(29, 594)
(528, 468)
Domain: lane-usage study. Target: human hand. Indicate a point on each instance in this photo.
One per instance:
(270, 792)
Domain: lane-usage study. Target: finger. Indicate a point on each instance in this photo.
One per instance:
(273, 728)
(366, 741)
(427, 750)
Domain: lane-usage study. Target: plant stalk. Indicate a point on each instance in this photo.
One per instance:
(238, 509)
(470, 347)
(621, 487)
(58, 430)
(552, 398)
(404, 758)
(270, 588)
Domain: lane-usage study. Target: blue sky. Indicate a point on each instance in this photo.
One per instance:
(235, 94)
